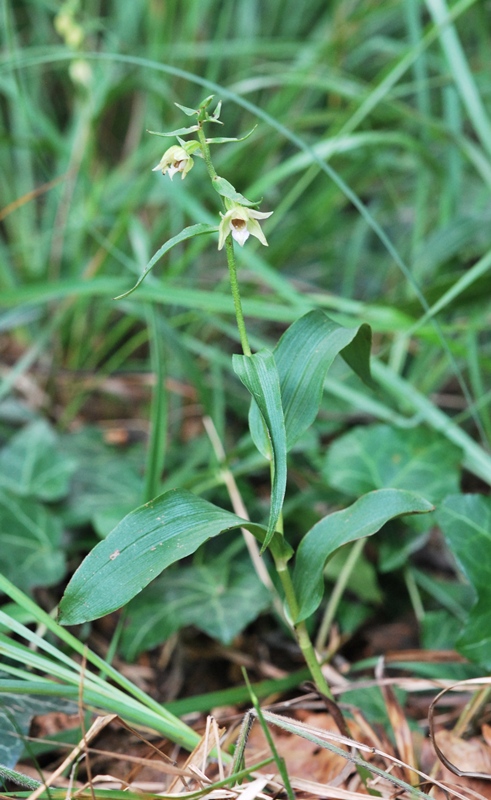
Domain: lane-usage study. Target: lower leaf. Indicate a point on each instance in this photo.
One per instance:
(144, 543)
(365, 517)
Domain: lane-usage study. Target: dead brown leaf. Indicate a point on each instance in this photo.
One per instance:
(303, 759)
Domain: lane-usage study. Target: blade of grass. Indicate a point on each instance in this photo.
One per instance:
(459, 69)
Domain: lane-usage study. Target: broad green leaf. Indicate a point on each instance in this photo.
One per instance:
(33, 464)
(466, 523)
(16, 713)
(30, 542)
(303, 355)
(144, 543)
(259, 375)
(187, 233)
(382, 457)
(218, 598)
(365, 517)
(225, 189)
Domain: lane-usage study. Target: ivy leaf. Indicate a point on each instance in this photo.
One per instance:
(381, 456)
(30, 542)
(465, 520)
(16, 713)
(33, 464)
(219, 598)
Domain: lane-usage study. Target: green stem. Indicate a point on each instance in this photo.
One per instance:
(234, 285)
(229, 249)
(158, 416)
(300, 630)
(206, 153)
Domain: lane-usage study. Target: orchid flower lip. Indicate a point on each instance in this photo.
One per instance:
(241, 222)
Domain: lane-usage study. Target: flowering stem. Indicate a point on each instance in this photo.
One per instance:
(229, 249)
(300, 629)
(234, 285)
(206, 153)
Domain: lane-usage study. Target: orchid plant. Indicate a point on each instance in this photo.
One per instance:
(285, 385)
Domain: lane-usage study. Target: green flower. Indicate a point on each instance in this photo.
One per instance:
(241, 222)
(175, 159)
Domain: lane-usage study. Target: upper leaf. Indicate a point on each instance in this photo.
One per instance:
(223, 139)
(190, 112)
(365, 517)
(225, 189)
(186, 233)
(303, 355)
(144, 543)
(177, 132)
(260, 375)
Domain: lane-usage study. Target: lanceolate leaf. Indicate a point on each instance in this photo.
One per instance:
(260, 375)
(144, 543)
(365, 517)
(466, 523)
(177, 132)
(187, 233)
(303, 355)
(223, 139)
(224, 188)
